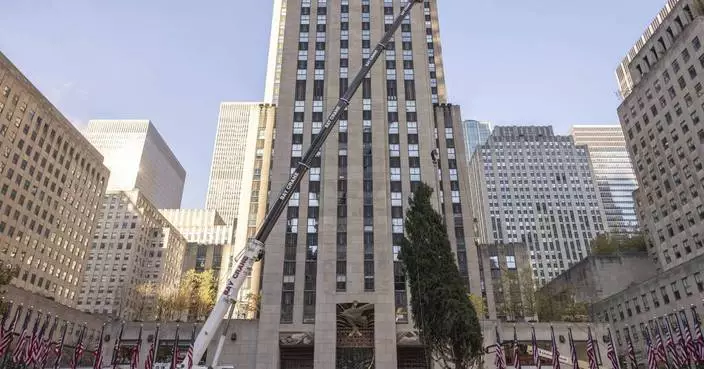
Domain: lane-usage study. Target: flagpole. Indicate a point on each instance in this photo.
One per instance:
(116, 349)
(659, 332)
(11, 332)
(60, 349)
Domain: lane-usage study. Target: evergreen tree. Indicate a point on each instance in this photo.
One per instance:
(442, 313)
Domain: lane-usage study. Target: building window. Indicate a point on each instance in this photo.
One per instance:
(511, 262)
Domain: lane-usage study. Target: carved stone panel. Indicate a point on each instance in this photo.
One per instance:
(296, 339)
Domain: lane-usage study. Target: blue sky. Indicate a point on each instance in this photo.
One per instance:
(173, 61)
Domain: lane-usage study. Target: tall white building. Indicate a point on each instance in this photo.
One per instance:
(238, 146)
(613, 172)
(530, 186)
(138, 157)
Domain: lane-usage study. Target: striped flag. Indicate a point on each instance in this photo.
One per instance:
(98, 363)
(681, 343)
(79, 350)
(534, 344)
(36, 345)
(116, 349)
(555, 351)
(591, 350)
(174, 351)
(9, 333)
(611, 352)
(499, 360)
(660, 346)
(18, 354)
(134, 360)
(632, 354)
(698, 336)
(29, 346)
(652, 355)
(516, 349)
(149, 364)
(188, 360)
(573, 351)
(48, 344)
(670, 345)
(59, 349)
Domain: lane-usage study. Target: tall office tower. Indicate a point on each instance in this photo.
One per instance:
(138, 157)
(533, 187)
(613, 172)
(475, 134)
(335, 249)
(660, 81)
(239, 155)
(133, 245)
(52, 181)
(239, 176)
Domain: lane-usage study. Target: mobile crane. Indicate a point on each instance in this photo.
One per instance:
(254, 249)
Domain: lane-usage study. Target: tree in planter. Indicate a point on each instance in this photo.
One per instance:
(528, 291)
(445, 317)
(145, 292)
(7, 273)
(200, 289)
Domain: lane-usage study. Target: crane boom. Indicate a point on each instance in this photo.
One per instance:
(254, 250)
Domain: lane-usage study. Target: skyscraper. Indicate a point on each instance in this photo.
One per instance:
(335, 249)
(613, 172)
(138, 157)
(475, 133)
(238, 156)
(52, 185)
(239, 176)
(531, 186)
(660, 81)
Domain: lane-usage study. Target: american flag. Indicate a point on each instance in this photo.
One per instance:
(149, 364)
(660, 347)
(591, 351)
(9, 333)
(516, 360)
(174, 351)
(555, 352)
(632, 355)
(573, 351)
(611, 353)
(134, 360)
(19, 352)
(188, 360)
(690, 345)
(98, 363)
(681, 343)
(536, 354)
(698, 336)
(29, 347)
(652, 355)
(47, 345)
(671, 347)
(78, 351)
(36, 345)
(499, 360)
